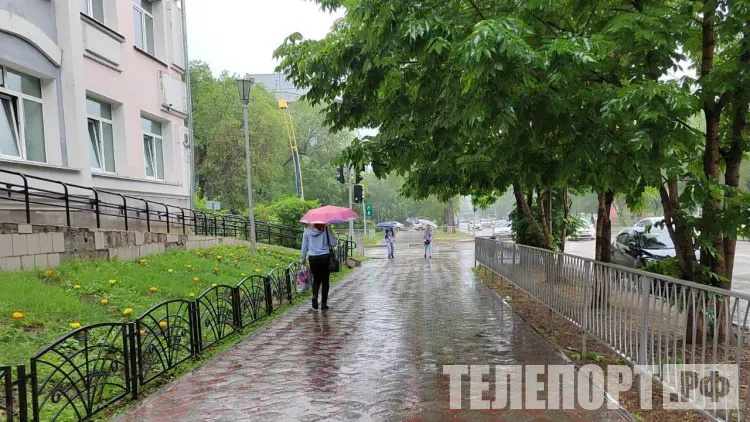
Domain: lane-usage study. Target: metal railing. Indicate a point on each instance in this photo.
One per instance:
(93, 367)
(86, 206)
(646, 318)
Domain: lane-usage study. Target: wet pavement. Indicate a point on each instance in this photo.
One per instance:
(377, 354)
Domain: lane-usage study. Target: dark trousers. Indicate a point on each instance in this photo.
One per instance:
(321, 275)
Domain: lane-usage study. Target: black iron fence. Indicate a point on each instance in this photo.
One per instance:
(83, 206)
(96, 366)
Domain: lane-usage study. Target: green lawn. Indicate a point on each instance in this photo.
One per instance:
(99, 291)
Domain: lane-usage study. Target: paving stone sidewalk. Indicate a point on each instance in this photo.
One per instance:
(376, 355)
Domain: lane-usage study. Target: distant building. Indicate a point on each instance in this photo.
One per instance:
(280, 86)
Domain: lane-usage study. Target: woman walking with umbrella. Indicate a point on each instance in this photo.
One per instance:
(390, 237)
(318, 243)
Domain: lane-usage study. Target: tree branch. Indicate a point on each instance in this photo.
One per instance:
(474, 5)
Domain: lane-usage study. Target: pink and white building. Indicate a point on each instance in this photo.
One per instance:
(92, 92)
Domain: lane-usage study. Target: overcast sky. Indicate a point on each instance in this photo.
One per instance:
(241, 35)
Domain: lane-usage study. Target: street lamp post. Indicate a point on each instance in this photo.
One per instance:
(244, 85)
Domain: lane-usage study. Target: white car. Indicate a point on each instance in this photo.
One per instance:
(503, 229)
(421, 224)
(587, 231)
(398, 226)
(649, 221)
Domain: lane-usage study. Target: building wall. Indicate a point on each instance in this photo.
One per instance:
(79, 56)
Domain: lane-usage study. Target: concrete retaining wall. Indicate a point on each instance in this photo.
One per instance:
(26, 246)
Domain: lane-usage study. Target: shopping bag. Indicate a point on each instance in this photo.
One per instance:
(303, 280)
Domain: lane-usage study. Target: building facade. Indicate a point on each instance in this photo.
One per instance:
(92, 93)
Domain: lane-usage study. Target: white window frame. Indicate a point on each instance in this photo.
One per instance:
(16, 99)
(152, 150)
(144, 34)
(90, 10)
(99, 133)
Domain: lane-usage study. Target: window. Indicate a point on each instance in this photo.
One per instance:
(101, 135)
(93, 8)
(143, 19)
(622, 238)
(21, 116)
(153, 151)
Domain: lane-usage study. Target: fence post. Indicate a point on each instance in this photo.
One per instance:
(513, 267)
(23, 405)
(269, 297)
(134, 370)
(551, 286)
(643, 338)
(584, 322)
(195, 331)
(236, 307)
(288, 277)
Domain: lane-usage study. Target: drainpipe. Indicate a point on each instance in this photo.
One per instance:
(191, 137)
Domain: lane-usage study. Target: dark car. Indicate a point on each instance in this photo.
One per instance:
(635, 248)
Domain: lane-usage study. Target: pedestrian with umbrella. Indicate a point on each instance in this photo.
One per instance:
(318, 246)
(390, 237)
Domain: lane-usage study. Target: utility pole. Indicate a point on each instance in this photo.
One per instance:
(244, 86)
(351, 203)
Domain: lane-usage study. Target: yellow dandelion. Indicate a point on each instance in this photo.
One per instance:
(75, 325)
(170, 271)
(76, 287)
(218, 257)
(163, 324)
(153, 289)
(257, 270)
(142, 261)
(48, 273)
(198, 253)
(241, 246)
(192, 294)
(104, 301)
(188, 266)
(231, 254)
(127, 311)
(216, 269)
(17, 315)
(236, 260)
(142, 332)
(112, 282)
(243, 274)
(214, 285)
(196, 279)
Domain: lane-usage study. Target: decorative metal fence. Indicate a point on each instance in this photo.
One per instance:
(91, 368)
(83, 206)
(646, 318)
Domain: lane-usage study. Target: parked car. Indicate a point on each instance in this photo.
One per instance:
(398, 226)
(486, 222)
(649, 221)
(477, 225)
(587, 231)
(635, 248)
(503, 229)
(421, 224)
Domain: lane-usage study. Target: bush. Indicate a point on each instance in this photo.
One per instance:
(288, 211)
(263, 212)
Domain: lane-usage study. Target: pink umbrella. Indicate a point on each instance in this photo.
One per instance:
(329, 214)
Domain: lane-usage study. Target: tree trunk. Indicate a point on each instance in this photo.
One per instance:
(449, 220)
(566, 213)
(526, 208)
(711, 154)
(543, 220)
(678, 230)
(734, 156)
(604, 227)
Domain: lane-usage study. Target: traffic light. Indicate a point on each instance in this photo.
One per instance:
(359, 178)
(358, 194)
(340, 177)
(368, 210)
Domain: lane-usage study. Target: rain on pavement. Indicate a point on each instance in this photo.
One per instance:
(377, 354)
